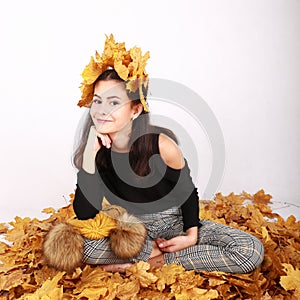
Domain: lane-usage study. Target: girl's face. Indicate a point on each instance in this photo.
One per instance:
(111, 109)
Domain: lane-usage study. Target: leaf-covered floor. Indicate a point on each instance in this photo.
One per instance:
(24, 276)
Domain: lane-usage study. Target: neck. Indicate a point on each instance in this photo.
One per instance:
(120, 146)
(120, 140)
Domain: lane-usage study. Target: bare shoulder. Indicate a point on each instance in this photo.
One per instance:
(170, 152)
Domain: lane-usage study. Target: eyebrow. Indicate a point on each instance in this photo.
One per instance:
(109, 97)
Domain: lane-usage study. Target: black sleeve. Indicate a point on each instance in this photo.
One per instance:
(186, 190)
(190, 211)
(88, 195)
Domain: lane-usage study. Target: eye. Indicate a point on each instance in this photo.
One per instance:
(97, 101)
(113, 103)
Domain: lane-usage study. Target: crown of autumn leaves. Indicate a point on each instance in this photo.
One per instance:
(129, 64)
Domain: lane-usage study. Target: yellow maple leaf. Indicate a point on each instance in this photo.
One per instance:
(87, 91)
(235, 199)
(265, 234)
(3, 228)
(187, 281)
(197, 294)
(204, 213)
(41, 275)
(48, 291)
(22, 276)
(48, 210)
(112, 50)
(127, 290)
(257, 219)
(90, 278)
(129, 65)
(3, 248)
(261, 197)
(16, 233)
(215, 281)
(13, 279)
(121, 69)
(139, 271)
(139, 61)
(91, 71)
(96, 228)
(291, 223)
(292, 280)
(167, 275)
(93, 293)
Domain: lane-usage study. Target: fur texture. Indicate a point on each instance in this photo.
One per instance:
(128, 238)
(63, 247)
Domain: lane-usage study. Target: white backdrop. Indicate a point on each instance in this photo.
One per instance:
(241, 57)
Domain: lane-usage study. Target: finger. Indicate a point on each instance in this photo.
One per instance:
(108, 141)
(165, 243)
(105, 141)
(102, 140)
(160, 240)
(169, 249)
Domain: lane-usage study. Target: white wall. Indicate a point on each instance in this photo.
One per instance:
(242, 57)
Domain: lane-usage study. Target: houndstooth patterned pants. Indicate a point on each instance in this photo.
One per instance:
(219, 247)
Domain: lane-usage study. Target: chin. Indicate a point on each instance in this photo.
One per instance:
(102, 129)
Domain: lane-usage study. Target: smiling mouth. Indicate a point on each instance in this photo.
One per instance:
(103, 121)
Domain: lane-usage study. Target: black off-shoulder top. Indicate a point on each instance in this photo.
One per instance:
(163, 188)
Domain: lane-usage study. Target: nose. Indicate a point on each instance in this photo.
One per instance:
(103, 109)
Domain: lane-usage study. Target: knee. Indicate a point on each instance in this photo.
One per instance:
(258, 252)
(249, 254)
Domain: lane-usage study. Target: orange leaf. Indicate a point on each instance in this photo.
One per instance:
(96, 228)
(91, 71)
(139, 271)
(292, 280)
(261, 197)
(49, 210)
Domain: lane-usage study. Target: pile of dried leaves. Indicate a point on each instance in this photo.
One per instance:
(24, 276)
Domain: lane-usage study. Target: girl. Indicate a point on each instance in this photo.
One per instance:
(139, 166)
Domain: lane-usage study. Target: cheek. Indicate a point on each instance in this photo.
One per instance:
(122, 116)
(92, 111)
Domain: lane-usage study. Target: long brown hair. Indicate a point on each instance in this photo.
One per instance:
(141, 139)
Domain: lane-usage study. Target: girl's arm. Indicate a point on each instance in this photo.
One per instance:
(179, 242)
(92, 147)
(89, 193)
(173, 157)
(170, 152)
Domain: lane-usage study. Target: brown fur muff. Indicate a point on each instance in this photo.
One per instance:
(63, 247)
(128, 238)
